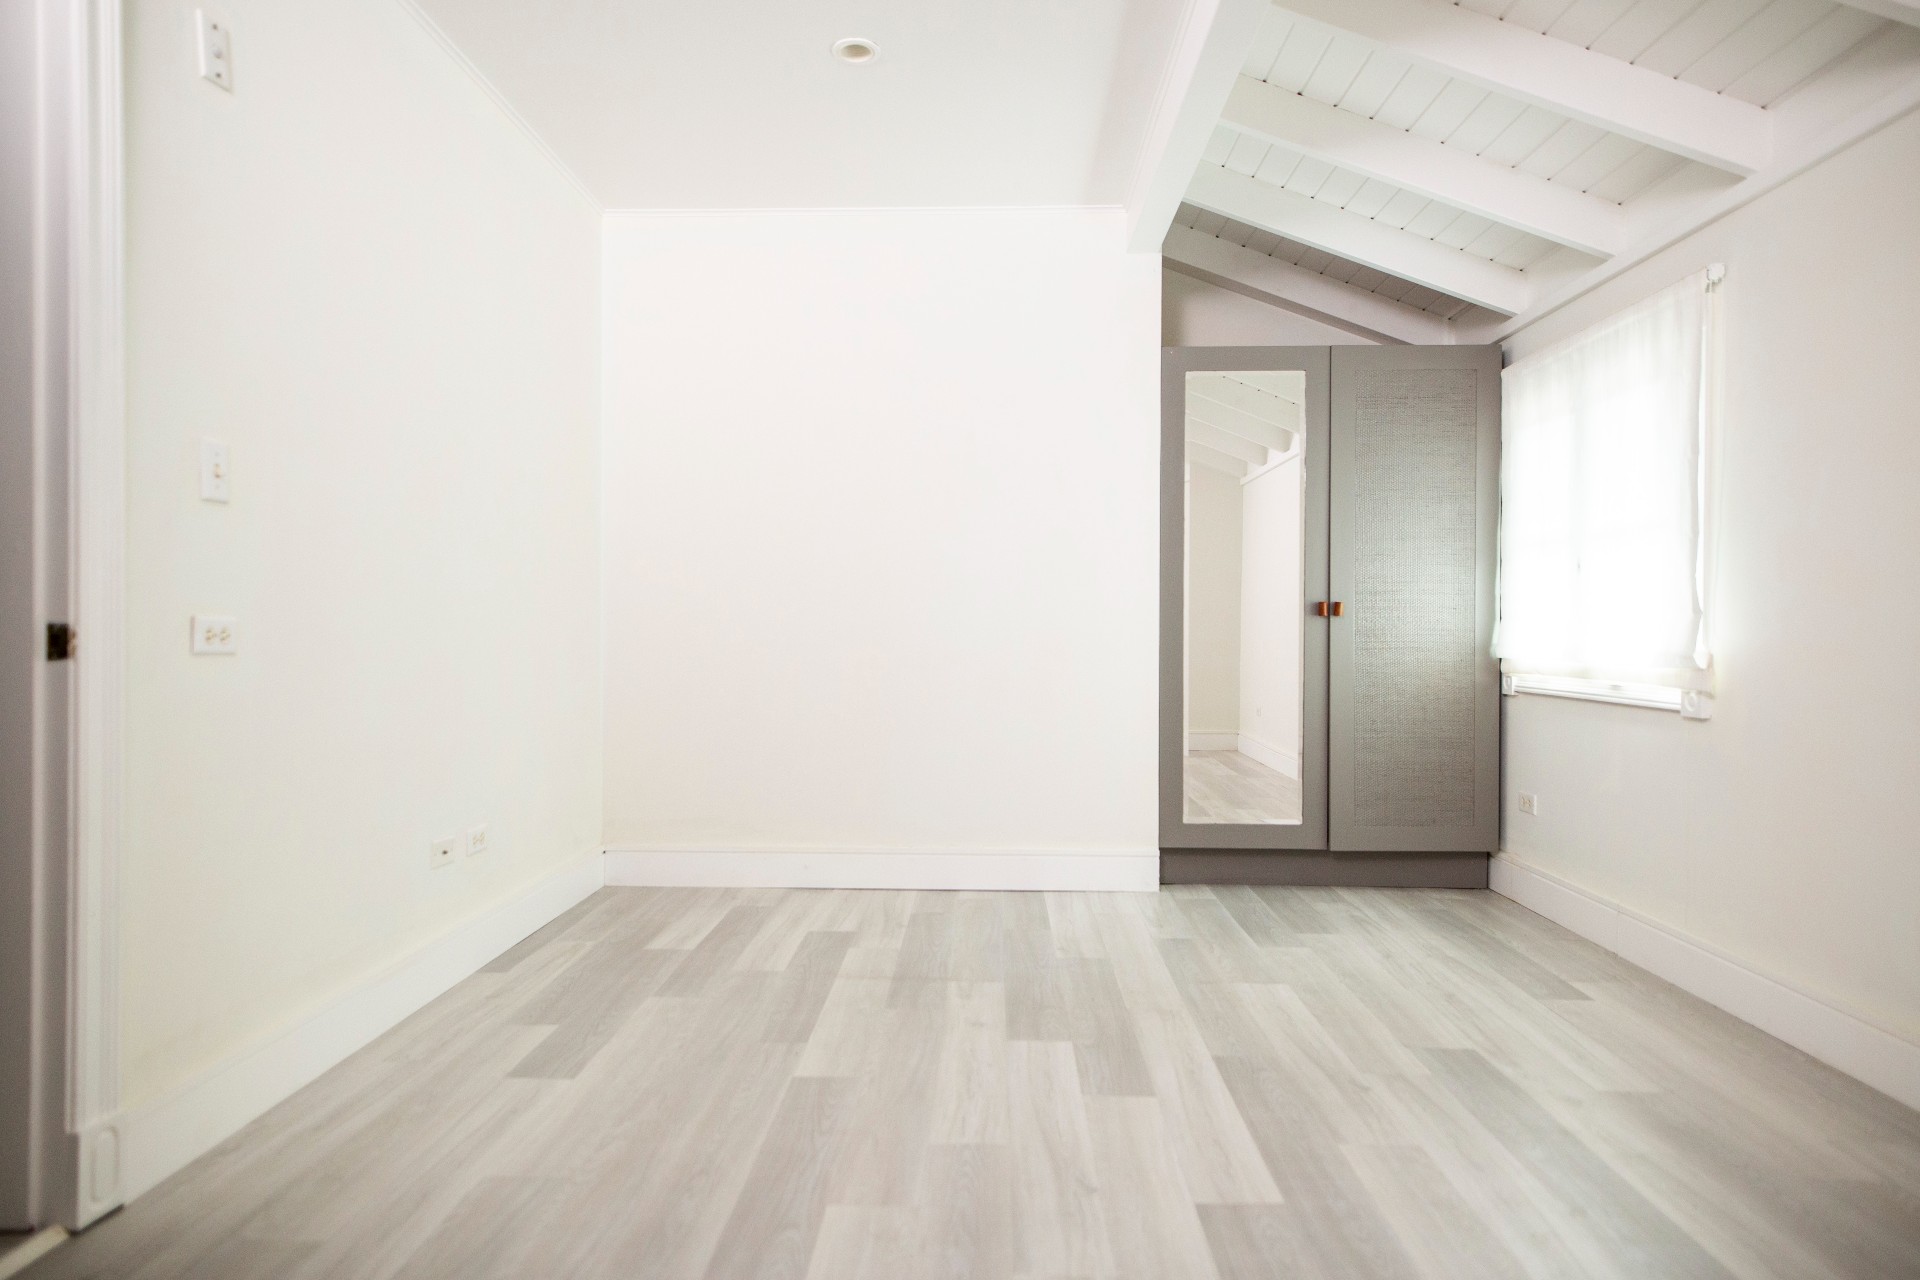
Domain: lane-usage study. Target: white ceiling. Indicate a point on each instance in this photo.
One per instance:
(1506, 153)
(1243, 422)
(1352, 274)
(657, 104)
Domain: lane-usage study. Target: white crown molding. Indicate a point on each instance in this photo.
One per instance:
(1842, 1040)
(501, 101)
(1104, 870)
(169, 1132)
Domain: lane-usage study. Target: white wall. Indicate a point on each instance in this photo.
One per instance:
(368, 282)
(1213, 601)
(1271, 615)
(881, 532)
(1197, 313)
(1781, 833)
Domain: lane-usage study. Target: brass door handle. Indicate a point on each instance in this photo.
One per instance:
(1321, 610)
(1335, 609)
(1339, 608)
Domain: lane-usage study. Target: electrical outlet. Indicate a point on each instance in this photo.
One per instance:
(214, 634)
(476, 840)
(215, 44)
(213, 471)
(1530, 803)
(442, 854)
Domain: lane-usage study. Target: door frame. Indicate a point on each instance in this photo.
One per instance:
(77, 524)
(1176, 833)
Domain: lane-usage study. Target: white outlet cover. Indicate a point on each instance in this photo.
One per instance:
(441, 855)
(476, 840)
(214, 41)
(215, 633)
(214, 476)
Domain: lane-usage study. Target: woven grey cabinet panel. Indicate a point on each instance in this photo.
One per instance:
(1413, 597)
(1413, 688)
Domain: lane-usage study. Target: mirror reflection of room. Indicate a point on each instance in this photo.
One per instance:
(1245, 605)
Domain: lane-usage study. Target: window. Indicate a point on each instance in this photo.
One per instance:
(1603, 523)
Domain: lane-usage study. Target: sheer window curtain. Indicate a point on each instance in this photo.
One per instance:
(1603, 529)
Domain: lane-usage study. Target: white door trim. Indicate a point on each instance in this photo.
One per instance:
(85, 1181)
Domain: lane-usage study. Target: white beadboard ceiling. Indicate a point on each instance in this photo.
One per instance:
(738, 104)
(1244, 422)
(1354, 274)
(1378, 143)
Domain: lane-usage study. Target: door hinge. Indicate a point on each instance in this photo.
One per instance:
(60, 641)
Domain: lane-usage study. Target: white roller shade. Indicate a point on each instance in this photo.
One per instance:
(1603, 556)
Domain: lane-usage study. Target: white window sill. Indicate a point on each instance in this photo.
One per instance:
(1691, 704)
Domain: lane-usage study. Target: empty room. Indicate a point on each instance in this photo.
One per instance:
(1028, 640)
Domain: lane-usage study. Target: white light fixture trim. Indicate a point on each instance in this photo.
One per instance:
(855, 49)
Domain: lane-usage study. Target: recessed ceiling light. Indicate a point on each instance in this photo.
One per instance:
(854, 49)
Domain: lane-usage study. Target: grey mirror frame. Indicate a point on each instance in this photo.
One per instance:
(1175, 831)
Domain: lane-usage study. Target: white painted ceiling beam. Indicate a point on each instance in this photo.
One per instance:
(1204, 433)
(1263, 432)
(1907, 11)
(1560, 76)
(1424, 167)
(1348, 235)
(1213, 43)
(1201, 456)
(1284, 284)
(1263, 406)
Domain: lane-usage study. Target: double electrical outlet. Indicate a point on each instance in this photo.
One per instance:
(443, 852)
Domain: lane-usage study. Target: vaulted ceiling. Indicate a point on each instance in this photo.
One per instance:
(1420, 168)
(1243, 423)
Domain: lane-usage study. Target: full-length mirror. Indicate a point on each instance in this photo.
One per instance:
(1245, 604)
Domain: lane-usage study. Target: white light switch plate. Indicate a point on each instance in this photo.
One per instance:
(216, 48)
(213, 471)
(213, 633)
(476, 841)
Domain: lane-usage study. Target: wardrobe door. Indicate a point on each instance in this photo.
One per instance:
(1243, 546)
(1414, 691)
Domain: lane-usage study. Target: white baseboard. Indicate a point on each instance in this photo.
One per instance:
(1200, 740)
(168, 1133)
(1110, 870)
(1271, 756)
(35, 1247)
(1839, 1039)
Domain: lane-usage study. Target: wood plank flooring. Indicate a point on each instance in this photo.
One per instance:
(1224, 1083)
(1227, 786)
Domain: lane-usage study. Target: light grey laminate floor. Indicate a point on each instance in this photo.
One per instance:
(1227, 786)
(1241, 1083)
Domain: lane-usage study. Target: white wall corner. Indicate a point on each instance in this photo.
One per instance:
(1094, 870)
(1273, 757)
(501, 102)
(1842, 1040)
(163, 1136)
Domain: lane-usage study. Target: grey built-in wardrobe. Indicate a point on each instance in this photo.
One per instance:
(1398, 748)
